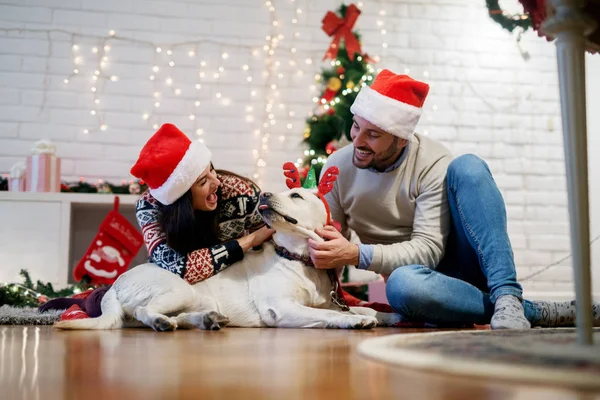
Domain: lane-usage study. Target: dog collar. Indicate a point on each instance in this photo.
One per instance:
(288, 255)
(337, 296)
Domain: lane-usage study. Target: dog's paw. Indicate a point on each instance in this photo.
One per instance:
(164, 324)
(362, 322)
(214, 321)
(388, 319)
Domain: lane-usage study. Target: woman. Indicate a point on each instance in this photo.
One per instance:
(196, 221)
(194, 217)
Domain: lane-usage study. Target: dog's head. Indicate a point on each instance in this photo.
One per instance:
(299, 210)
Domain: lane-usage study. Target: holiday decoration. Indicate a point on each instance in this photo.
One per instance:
(27, 295)
(331, 119)
(111, 251)
(507, 21)
(103, 187)
(539, 10)
(325, 185)
(82, 186)
(85, 187)
(331, 147)
(341, 28)
(43, 168)
(16, 180)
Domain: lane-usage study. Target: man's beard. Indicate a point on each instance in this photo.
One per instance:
(380, 161)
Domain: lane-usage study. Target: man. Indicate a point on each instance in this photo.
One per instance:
(435, 226)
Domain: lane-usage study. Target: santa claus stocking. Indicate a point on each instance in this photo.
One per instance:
(111, 251)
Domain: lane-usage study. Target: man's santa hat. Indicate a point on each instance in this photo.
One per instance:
(170, 163)
(393, 103)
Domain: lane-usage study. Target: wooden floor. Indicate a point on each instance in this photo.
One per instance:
(42, 363)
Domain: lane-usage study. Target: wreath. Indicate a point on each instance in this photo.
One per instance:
(507, 21)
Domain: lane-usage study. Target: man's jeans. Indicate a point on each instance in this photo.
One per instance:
(478, 265)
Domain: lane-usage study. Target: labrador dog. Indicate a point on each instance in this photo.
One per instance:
(273, 287)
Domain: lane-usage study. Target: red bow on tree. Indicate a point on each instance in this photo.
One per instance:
(341, 28)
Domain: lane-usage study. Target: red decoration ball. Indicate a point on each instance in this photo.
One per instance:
(330, 148)
(303, 172)
(340, 70)
(331, 111)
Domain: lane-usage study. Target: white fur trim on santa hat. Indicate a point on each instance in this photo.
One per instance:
(194, 162)
(399, 119)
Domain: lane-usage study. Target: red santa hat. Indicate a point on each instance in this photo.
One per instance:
(170, 163)
(393, 103)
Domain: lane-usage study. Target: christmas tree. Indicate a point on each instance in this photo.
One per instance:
(328, 125)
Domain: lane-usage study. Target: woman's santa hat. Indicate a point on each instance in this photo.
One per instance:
(393, 103)
(170, 163)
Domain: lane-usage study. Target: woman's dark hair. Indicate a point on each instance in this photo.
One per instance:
(187, 229)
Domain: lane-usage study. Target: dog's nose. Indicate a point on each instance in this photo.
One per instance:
(266, 194)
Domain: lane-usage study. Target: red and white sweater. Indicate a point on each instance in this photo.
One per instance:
(239, 212)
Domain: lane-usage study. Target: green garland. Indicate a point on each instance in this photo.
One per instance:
(28, 295)
(85, 187)
(508, 22)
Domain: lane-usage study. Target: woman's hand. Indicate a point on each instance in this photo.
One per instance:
(256, 238)
(262, 235)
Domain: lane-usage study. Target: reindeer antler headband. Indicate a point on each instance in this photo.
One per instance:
(325, 186)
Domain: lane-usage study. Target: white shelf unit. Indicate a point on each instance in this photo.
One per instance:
(48, 233)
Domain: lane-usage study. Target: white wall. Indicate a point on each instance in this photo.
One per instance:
(593, 128)
(485, 98)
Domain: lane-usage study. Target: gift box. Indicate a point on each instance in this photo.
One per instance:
(16, 178)
(43, 168)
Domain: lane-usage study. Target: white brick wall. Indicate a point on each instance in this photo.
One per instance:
(485, 98)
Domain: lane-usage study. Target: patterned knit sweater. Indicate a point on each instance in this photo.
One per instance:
(238, 204)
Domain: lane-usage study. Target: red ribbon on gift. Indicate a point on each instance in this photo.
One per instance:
(341, 28)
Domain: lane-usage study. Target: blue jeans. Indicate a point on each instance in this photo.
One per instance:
(478, 265)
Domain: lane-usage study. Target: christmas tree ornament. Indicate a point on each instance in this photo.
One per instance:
(304, 172)
(334, 84)
(341, 28)
(340, 70)
(111, 251)
(350, 85)
(331, 147)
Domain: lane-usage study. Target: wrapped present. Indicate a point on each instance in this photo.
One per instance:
(43, 168)
(16, 178)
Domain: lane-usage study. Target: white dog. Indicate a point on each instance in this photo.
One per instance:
(273, 287)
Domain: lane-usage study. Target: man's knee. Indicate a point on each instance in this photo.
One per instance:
(468, 168)
(404, 288)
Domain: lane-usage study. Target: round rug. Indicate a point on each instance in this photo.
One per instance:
(535, 355)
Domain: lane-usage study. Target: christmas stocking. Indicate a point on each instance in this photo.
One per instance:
(111, 251)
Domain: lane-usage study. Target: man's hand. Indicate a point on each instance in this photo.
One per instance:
(335, 252)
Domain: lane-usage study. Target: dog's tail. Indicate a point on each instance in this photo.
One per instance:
(111, 318)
